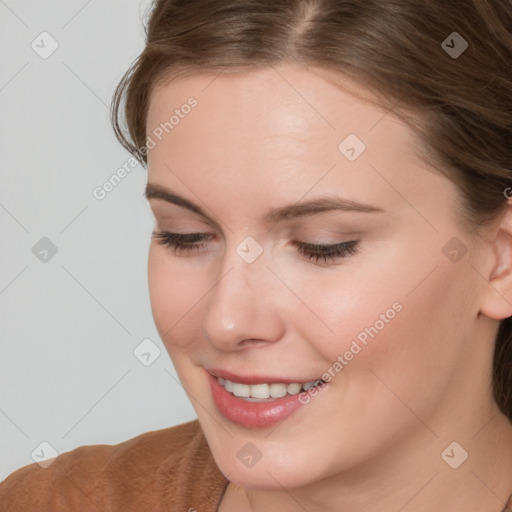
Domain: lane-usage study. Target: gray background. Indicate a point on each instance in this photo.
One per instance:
(70, 323)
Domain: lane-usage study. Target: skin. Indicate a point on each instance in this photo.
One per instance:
(266, 138)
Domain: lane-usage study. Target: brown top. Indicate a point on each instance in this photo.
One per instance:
(169, 470)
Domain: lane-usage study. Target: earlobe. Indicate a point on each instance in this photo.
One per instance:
(497, 293)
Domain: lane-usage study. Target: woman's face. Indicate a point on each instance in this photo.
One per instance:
(391, 323)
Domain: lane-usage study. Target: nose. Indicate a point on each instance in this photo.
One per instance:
(243, 306)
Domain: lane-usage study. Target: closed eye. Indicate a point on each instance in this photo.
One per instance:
(181, 243)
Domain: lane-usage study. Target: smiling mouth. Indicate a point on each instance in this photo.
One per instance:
(265, 391)
(254, 403)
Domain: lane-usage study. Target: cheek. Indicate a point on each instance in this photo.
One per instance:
(174, 295)
(358, 323)
(415, 358)
(395, 321)
(382, 317)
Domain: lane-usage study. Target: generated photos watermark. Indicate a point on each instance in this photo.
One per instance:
(357, 345)
(100, 192)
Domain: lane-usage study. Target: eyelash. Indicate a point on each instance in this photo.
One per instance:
(182, 242)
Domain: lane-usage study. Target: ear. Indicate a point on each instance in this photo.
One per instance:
(496, 299)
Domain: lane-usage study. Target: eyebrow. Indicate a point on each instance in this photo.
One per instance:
(275, 215)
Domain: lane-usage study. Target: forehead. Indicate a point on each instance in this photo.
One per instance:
(287, 100)
(279, 127)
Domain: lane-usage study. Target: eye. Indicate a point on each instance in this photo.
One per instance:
(184, 242)
(327, 253)
(180, 242)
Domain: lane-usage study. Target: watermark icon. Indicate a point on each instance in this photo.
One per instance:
(44, 45)
(352, 147)
(454, 45)
(44, 250)
(147, 352)
(249, 455)
(454, 455)
(454, 249)
(249, 249)
(357, 345)
(44, 454)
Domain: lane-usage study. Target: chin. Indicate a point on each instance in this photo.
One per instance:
(272, 471)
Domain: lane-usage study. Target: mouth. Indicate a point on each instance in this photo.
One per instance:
(264, 391)
(258, 402)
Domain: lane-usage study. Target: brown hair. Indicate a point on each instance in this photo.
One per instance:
(460, 105)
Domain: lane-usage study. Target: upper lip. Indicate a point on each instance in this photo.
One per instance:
(254, 379)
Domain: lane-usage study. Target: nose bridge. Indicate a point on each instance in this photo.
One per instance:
(239, 303)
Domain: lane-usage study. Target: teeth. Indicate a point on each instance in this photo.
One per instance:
(294, 389)
(241, 390)
(277, 390)
(265, 391)
(259, 390)
(310, 385)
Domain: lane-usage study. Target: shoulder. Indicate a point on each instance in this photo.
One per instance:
(159, 469)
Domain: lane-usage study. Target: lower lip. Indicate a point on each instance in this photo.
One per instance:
(254, 414)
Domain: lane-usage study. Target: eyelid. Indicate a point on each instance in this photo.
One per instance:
(330, 253)
(192, 237)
